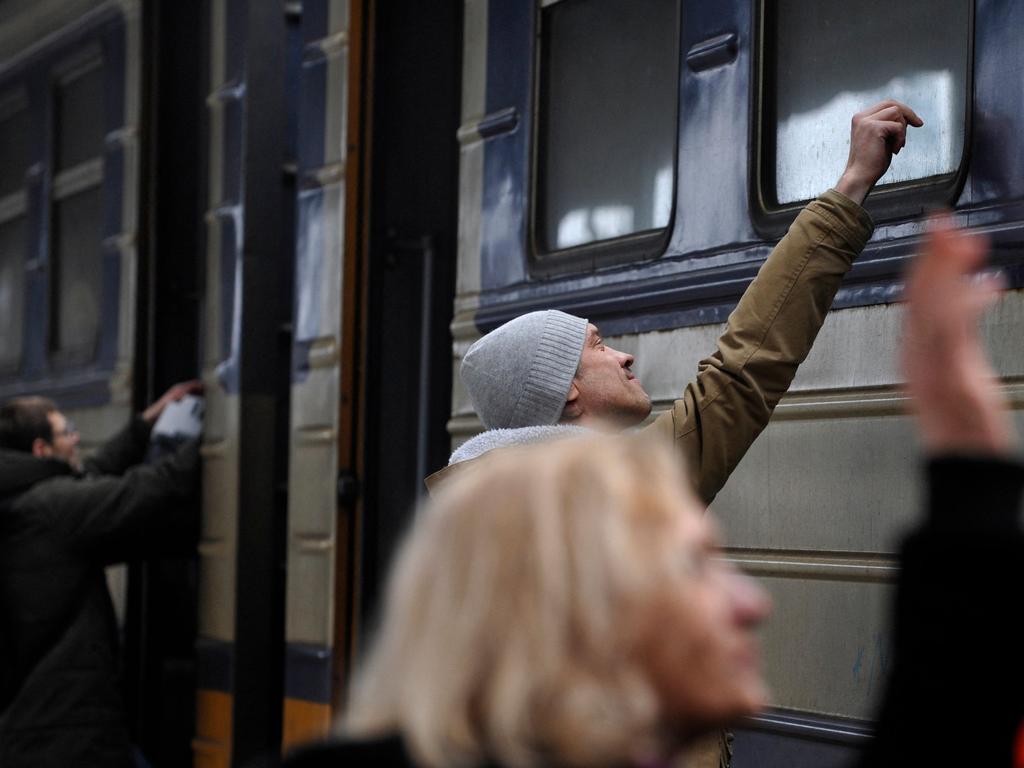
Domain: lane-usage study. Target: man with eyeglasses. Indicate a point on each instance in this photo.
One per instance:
(62, 520)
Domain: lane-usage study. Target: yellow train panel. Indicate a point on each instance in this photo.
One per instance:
(211, 747)
(304, 721)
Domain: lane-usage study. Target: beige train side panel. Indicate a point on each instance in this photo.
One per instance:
(819, 505)
(211, 747)
(313, 462)
(310, 596)
(471, 159)
(218, 535)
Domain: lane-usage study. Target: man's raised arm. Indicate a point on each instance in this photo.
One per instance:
(773, 327)
(128, 447)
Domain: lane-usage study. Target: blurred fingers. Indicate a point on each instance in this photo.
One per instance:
(944, 288)
(949, 249)
(984, 292)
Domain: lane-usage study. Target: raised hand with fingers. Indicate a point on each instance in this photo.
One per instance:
(876, 134)
(172, 395)
(956, 398)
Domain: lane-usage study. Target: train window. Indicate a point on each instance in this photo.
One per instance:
(78, 109)
(12, 291)
(53, 219)
(825, 63)
(76, 276)
(14, 150)
(607, 119)
(76, 264)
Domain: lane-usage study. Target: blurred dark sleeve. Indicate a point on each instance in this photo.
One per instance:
(151, 510)
(123, 451)
(387, 750)
(956, 695)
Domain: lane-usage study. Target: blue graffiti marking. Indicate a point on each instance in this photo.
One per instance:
(858, 665)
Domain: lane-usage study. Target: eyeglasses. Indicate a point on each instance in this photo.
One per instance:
(68, 431)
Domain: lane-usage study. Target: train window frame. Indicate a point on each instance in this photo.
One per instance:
(13, 101)
(66, 183)
(901, 200)
(14, 206)
(633, 248)
(12, 367)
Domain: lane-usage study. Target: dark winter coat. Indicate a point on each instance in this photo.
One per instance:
(956, 695)
(60, 703)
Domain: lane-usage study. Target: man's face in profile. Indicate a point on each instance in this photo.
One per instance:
(608, 388)
(64, 445)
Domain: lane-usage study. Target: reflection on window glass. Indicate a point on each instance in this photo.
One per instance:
(12, 291)
(832, 63)
(79, 118)
(608, 111)
(14, 134)
(76, 275)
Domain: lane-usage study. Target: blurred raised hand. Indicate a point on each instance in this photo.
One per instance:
(172, 395)
(956, 397)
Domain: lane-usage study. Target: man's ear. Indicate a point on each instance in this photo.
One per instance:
(571, 410)
(41, 448)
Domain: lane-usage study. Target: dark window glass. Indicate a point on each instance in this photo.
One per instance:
(76, 276)
(79, 118)
(607, 121)
(831, 62)
(12, 291)
(14, 151)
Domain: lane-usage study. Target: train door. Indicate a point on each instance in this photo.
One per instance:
(320, 420)
(371, 364)
(325, 461)
(160, 622)
(246, 348)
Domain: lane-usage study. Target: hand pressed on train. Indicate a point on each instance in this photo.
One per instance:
(956, 397)
(876, 134)
(172, 395)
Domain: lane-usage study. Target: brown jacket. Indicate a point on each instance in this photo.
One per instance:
(768, 335)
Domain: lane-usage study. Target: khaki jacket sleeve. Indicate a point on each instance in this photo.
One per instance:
(766, 338)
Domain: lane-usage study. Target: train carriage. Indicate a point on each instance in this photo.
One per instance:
(633, 163)
(308, 206)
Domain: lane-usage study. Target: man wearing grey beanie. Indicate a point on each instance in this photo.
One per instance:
(549, 374)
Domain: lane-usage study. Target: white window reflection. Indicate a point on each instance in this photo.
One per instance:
(663, 181)
(919, 57)
(824, 133)
(602, 223)
(573, 229)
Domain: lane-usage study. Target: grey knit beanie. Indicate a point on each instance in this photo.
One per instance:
(519, 374)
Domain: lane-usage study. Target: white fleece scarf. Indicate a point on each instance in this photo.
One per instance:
(503, 438)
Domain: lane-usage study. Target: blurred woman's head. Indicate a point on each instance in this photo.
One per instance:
(561, 603)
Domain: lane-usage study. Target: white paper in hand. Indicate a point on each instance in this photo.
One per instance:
(183, 418)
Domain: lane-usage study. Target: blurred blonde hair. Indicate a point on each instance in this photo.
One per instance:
(514, 606)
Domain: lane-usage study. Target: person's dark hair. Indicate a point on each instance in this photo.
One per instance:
(23, 419)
